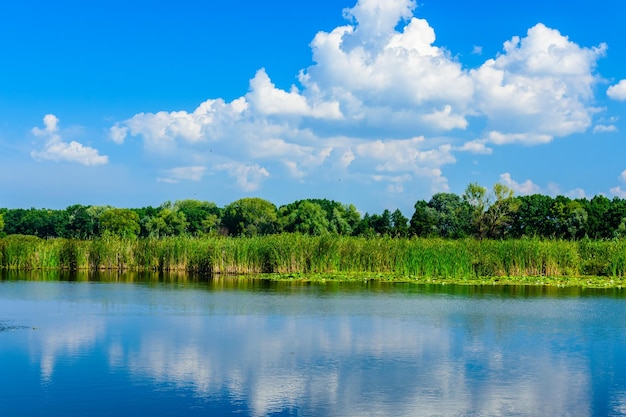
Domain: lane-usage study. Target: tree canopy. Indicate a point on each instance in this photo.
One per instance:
(478, 212)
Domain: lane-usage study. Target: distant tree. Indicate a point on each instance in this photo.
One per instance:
(491, 213)
(424, 220)
(445, 215)
(146, 214)
(453, 215)
(120, 222)
(399, 224)
(303, 216)
(35, 222)
(598, 222)
(202, 217)
(343, 219)
(169, 222)
(250, 217)
(571, 218)
(364, 227)
(534, 217)
(381, 223)
(81, 224)
(1, 225)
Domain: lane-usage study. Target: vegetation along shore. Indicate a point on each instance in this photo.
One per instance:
(481, 236)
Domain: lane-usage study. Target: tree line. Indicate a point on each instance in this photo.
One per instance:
(478, 212)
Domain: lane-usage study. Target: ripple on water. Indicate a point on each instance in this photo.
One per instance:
(7, 327)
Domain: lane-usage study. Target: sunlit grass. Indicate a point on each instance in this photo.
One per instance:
(431, 259)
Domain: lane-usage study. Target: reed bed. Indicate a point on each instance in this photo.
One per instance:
(327, 254)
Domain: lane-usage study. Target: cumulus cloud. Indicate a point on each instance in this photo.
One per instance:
(525, 188)
(267, 99)
(375, 104)
(617, 91)
(617, 191)
(55, 149)
(248, 177)
(191, 173)
(604, 128)
(476, 146)
(576, 193)
(539, 88)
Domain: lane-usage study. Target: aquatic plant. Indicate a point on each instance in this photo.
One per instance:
(293, 253)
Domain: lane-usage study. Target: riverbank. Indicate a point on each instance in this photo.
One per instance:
(294, 256)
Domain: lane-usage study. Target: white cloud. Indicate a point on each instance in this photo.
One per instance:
(576, 193)
(477, 50)
(617, 191)
(191, 173)
(118, 133)
(500, 138)
(248, 177)
(381, 75)
(622, 176)
(617, 91)
(525, 188)
(476, 146)
(267, 100)
(404, 155)
(540, 87)
(604, 128)
(55, 149)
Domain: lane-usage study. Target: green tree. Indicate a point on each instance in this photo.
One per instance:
(169, 222)
(534, 217)
(571, 218)
(303, 216)
(250, 217)
(400, 224)
(453, 215)
(343, 219)
(424, 220)
(598, 221)
(445, 215)
(381, 223)
(491, 213)
(120, 222)
(81, 224)
(36, 222)
(1, 225)
(202, 217)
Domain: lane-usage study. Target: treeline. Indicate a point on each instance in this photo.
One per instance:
(478, 212)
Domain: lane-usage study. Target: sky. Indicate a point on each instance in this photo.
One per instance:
(376, 103)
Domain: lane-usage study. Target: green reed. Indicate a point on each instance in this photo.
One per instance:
(327, 254)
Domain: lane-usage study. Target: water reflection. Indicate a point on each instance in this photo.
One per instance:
(294, 349)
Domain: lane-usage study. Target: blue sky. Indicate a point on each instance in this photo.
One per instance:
(375, 103)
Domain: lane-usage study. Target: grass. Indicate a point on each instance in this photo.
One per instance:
(295, 256)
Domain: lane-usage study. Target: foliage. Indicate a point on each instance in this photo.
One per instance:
(479, 212)
(250, 217)
(169, 222)
(492, 213)
(294, 253)
(202, 217)
(120, 222)
(400, 224)
(303, 216)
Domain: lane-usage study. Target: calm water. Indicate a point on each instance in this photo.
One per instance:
(255, 348)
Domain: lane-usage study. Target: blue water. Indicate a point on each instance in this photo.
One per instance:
(254, 348)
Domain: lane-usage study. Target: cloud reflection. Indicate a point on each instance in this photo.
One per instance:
(336, 355)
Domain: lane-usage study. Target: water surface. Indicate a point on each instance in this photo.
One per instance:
(163, 346)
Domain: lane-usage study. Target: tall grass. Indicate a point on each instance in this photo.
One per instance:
(295, 253)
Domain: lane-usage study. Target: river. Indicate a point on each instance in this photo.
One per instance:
(80, 345)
